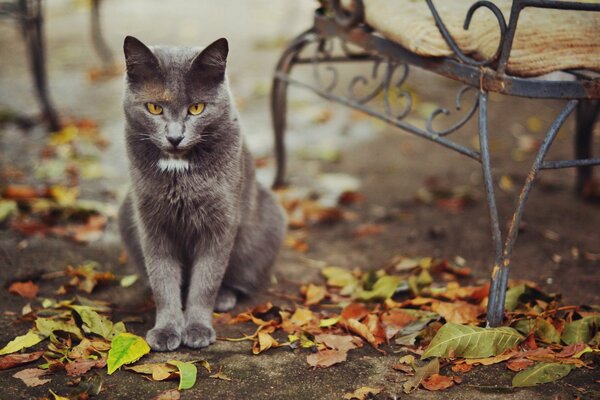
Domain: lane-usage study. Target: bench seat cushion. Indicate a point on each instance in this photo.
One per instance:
(546, 40)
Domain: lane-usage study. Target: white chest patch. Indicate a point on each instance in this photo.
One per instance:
(173, 164)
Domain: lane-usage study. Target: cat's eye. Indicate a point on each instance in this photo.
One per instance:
(154, 109)
(196, 109)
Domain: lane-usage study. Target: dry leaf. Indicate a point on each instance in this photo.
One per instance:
(362, 393)
(355, 311)
(301, 316)
(326, 358)
(363, 331)
(458, 312)
(367, 230)
(314, 294)
(462, 367)
(28, 289)
(32, 377)
(12, 360)
(172, 394)
(490, 360)
(438, 382)
(80, 367)
(339, 342)
(518, 364)
(264, 342)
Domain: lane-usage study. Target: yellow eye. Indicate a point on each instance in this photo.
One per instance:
(196, 109)
(154, 109)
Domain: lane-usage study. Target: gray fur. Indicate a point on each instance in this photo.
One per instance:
(206, 233)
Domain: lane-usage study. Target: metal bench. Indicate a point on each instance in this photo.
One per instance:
(29, 14)
(334, 22)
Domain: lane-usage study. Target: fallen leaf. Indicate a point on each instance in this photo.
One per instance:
(580, 331)
(394, 320)
(129, 280)
(57, 396)
(32, 377)
(187, 373)
(326, 358)
(541, 373)
(301, 316)
(490, 360)
(314, 294)
(462, 367)
(12, 360)
(421, 373)
(159, 371)
(362, 393)
(437, 382)
(458, 312)
(80, 367)
(471, 342)
(220, 375)
(47, 326)
(28, 289)
(339, 342)
(125, 349)
(98, 324)
(368, 230)
(29, 339)
(383, 288)
(518, 364)
(355, 311)
(363, 331)
(264, 342)
(328, 322)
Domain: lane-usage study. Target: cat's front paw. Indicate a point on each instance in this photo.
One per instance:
(167, 338)
(197, 335)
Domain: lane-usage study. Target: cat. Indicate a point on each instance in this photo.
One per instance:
(195, 217)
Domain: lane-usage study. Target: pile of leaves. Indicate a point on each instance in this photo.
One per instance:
(401, 309)
(51, 204)
(80, 337)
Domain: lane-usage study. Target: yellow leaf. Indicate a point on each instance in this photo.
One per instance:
(362, 393)
(265, 342)
(125, 349)
(314, 294)
(29, 339)
(301, 316)
(58, 397)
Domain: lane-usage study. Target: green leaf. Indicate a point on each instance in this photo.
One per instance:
(47, 326)
(29, 339)
(454, 340)
(580, 331)
(421, 373)
(129, 280)
(541, 373)
(125, 349)
(512, 297)
(187, 373)
(7, 208)
(383, 288)
(541, 328)
(98, 324)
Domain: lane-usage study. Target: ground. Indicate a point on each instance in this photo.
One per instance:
(558, 246)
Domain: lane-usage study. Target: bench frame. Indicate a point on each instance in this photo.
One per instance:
(333, 23)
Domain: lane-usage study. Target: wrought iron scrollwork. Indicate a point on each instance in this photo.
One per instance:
(445, 111)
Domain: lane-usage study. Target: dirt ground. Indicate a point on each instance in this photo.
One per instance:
(558, 247)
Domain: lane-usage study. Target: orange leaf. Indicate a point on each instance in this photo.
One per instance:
(326, 358)
(363, 331)
(355, 311)
(264, 342)
(462, 367)
(459, 312)
(394, 320)
(12, 360)
(438, 382)
(28, 289)
(367, 230)
(519, 364)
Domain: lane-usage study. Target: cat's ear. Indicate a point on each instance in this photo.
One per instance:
(211, 62)
(141, 63)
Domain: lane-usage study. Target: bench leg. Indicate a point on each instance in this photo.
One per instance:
(279, 102)
(32, 27)
(500, 271)
(100, 45)
(586, 115)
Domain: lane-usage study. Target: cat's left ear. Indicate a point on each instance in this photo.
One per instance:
(211, 62)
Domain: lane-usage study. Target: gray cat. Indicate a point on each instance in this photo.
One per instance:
(195, 217)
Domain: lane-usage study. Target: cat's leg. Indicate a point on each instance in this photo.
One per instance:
(129, 234)
(164, 274)
(205, 281)
(257, 245)
(226, 299)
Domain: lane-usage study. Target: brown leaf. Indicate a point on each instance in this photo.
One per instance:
(490, 360)
(458, 312)
(28, 289)
(438, 382)
(518, 364)
(339, 342)
(264, 342)
(355, 311)
(172, 394)
(326, 358)
(31, 376)
(363, 331)
(350, 197)
(80, 366)
(462, 367)
(12, 360)
(571, 350)
(394, 320)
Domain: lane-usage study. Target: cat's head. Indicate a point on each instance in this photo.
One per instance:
(175, 97)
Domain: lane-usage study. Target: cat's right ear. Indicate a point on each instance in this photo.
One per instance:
(142, 64)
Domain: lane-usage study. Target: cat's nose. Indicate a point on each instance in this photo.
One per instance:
(175, 140)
